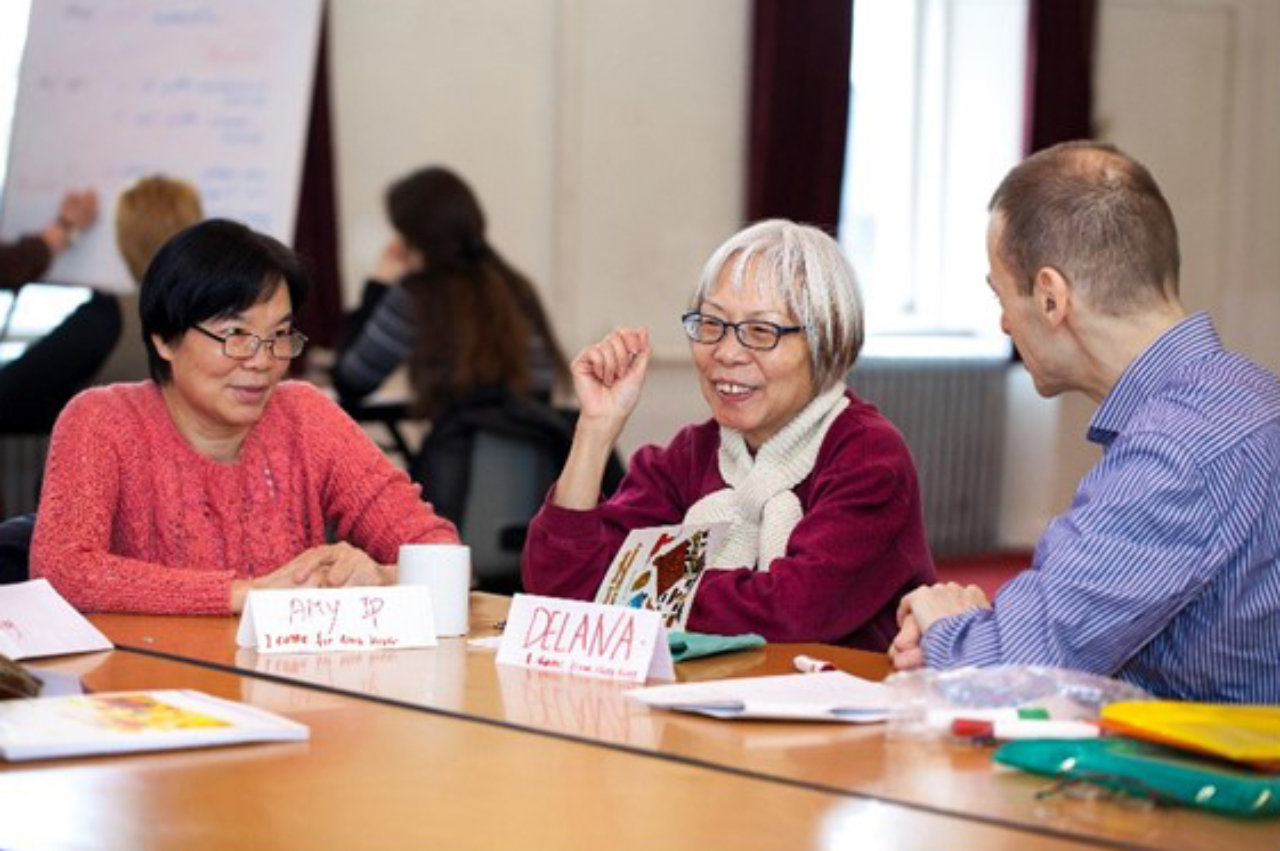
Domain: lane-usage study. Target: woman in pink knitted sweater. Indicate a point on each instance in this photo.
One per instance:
(182, 494)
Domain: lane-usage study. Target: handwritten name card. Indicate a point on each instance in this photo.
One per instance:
(36, 621)
(585, 639)
(337, 619)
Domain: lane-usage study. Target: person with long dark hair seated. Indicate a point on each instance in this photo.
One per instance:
(183, 493)
(444, 301)
(825, 532)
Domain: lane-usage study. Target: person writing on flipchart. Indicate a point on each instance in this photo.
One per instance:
(34, 387)
(1165, 571)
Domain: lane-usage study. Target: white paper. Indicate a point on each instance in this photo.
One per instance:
(36, 621)
(828, 696)
(328, 620)
(585, 639)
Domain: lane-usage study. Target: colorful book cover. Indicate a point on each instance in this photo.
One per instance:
(659, 569)
(127, 722)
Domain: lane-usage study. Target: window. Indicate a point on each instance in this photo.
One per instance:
(37, 309)
(935, 122)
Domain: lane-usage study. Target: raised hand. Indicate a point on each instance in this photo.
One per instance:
(609, 375)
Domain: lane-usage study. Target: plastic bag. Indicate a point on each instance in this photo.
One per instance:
(929, 700)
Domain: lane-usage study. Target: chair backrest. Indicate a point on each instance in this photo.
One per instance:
(15, 547)
(487, 465)
(509, 478)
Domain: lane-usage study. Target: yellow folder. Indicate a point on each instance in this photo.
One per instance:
(1239, 732)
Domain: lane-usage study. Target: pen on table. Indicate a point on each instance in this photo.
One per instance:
(941, 719)
(1010, 728)
(810, 665)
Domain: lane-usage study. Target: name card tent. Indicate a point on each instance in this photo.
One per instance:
(217, 94)
(36, 621)
(586, 639)
(327, 620)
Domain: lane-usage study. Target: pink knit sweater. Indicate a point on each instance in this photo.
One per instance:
(133, 519)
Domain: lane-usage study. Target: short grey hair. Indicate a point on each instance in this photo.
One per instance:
(806, 269)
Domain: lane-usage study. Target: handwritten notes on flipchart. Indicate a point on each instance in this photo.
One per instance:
(111, 90)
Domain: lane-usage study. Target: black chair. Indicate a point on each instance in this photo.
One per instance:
(487, 465)
(15, 547)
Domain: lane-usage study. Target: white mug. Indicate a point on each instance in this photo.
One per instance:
(446, 571)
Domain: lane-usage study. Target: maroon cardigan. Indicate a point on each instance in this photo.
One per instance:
(859, 547)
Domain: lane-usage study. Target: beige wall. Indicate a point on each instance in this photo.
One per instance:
(606, 138)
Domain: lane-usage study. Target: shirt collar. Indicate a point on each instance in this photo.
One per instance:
(1190, 339)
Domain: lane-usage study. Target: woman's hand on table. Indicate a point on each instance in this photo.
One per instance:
(343, 565)
(326, 566)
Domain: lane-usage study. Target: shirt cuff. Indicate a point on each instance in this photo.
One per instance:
(941, 640)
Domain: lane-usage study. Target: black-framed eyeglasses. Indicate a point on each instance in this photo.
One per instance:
(241, 345)
(753, 333)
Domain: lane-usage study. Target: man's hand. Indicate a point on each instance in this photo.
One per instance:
(924, 607)
(905, 653)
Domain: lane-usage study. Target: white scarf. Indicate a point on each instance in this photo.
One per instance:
(758, 503)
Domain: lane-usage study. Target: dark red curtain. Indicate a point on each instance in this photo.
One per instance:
(316, 233)
(1060, 39)
(799, 109)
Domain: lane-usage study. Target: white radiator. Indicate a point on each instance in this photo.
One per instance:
(951, 413)
(21, 467)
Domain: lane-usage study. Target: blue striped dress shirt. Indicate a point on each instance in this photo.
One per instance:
(1165, 572)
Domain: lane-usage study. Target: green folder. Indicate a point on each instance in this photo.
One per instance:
(1143, 769)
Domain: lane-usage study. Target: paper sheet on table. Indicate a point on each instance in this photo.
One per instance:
(828, 696)
(36, 621)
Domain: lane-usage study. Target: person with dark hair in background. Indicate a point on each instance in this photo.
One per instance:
(35, 385)
(183, 493)
(444, 300)
(482, 355)
(1165, 571)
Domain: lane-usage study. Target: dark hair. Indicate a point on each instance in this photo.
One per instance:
(211, 269)
(1097, 216)
(478, 318)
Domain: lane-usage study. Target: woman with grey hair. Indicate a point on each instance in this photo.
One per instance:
(818, 491)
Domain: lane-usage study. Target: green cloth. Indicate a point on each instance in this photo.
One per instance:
(695, 645)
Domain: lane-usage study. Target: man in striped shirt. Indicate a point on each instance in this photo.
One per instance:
(1165, 571)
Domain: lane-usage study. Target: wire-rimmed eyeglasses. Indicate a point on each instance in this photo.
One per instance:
(241, 345)
(752, 334)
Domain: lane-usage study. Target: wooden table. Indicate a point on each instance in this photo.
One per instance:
(381, 776)
(866, 763)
